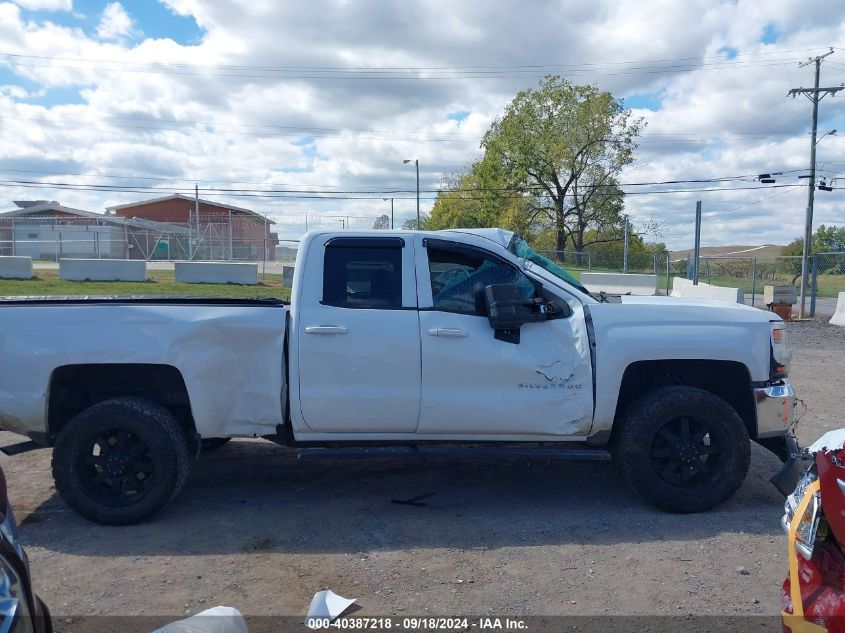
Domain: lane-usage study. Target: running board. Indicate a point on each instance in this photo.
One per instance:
(454, 452)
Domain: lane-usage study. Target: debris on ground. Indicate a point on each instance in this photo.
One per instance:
(325, 606)
(215, 620)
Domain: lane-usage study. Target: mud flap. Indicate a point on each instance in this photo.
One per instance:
(794, 465)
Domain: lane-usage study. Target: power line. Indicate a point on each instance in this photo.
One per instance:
(408, 73)
(361, 195)
(322, 133)
(711, 180)
(737, 208)
(367, 68)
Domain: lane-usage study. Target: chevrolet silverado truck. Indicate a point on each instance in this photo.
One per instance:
(397, 343)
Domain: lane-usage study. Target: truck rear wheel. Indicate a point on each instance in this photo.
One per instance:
(683, 449)
(120, 461)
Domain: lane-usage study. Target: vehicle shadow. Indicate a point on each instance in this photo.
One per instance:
(252, 496)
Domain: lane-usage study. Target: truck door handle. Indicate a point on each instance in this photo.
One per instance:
(447, 332)
(325, 329)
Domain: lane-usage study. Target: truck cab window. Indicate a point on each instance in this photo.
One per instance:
(458, 277)
(362, 277)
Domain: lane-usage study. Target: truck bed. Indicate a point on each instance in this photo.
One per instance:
(224, 357)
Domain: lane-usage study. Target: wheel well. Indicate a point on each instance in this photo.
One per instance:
(727, 379)
(74, 388)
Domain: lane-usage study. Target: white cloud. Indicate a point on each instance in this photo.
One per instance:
(221, 110)
(115, 23)
(45, 5)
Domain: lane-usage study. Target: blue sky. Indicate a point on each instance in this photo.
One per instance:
(154, 20)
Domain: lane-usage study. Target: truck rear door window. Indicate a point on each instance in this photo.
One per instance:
(362, 277)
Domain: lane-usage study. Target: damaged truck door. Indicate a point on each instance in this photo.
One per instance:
(540, 386)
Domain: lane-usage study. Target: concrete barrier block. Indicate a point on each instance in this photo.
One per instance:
(684, 288)
(216, 273)
(102, 269)
(15, 267)
(620, 284)
(839, 314)
(287, 276)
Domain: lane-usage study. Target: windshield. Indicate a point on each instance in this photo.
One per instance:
(520, 248)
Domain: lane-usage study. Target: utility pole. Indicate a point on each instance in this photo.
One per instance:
(697, 252)
(815, 95)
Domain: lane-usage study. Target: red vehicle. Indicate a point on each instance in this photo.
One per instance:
(21, 611)
(813, 595)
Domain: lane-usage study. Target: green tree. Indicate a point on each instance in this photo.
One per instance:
(382, 223)
(562, 147)
(411, 223)
(829, 239)
(826, 239)
(476, 197)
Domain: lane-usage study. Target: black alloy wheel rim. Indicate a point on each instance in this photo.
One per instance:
(686, 452)
(115, 468)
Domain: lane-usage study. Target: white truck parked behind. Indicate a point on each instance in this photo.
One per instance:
(417, 343)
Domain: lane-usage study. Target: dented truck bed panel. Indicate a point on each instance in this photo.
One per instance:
(230, 355)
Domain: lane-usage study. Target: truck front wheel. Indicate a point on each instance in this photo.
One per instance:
(683, 449)
(120, 461)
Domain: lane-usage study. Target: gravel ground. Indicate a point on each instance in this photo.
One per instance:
(256, 530)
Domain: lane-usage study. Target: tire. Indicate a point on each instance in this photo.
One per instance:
(683, 449)
(120, 461)
(213, 443)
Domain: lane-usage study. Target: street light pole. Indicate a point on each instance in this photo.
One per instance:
(416, 162)
(391, 211)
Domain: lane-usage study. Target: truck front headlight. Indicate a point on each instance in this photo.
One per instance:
(781, 353)
(808, 522)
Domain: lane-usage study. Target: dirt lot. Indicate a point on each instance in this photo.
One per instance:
(256, 530)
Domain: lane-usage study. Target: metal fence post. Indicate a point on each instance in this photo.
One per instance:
(589, 260)
(753, 279)
(13, 236)
(815, 285)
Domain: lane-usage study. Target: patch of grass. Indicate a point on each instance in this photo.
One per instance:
(160, 283)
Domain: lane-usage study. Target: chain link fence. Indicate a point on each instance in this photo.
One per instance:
(207, 237)
(615, 262)
(752, 274)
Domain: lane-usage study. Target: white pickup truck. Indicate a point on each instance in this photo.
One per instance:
(397, 343)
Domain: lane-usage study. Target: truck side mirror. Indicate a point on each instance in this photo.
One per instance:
(506, 309)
